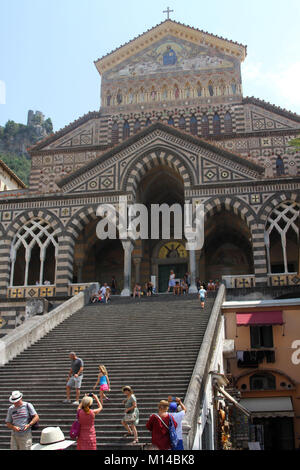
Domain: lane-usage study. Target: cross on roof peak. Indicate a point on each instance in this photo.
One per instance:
(168, 11)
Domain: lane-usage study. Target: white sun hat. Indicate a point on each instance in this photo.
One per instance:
(15, 396)
(52, 439)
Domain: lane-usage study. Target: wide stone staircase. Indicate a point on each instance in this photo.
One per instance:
(150, 344)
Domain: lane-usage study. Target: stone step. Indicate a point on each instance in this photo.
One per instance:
(151, 345)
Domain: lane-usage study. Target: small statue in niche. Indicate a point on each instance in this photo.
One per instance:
(279, 166)
(119, 97)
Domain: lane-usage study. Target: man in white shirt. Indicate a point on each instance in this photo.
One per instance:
(178, 416)
(20, 417)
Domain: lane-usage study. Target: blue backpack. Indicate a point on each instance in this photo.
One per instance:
(173, 434)
(172, 431)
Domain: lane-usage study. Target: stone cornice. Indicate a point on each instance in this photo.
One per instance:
(169, 27)
(260, 186)
(158, 126)
(57, 135)
(271, 107)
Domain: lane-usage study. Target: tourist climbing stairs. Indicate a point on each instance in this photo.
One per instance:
(150, 344)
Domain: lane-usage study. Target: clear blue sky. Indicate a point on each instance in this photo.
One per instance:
(48, 48)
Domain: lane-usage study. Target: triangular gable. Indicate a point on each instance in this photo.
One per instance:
(266, 116)
(176, 30)
(79, 133)
(205, 162)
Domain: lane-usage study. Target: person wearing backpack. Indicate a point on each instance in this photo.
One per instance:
(21, 417)
(159, 426)
(178, 410)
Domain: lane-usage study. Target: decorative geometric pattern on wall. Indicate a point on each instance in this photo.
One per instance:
(105, 181)
(212, 172)
(261, 123)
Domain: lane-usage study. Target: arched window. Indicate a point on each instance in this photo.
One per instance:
(281, 238)
(264, 381)
(137, 126)
(171, 121)
(126, 130)
(108, 98)
(33, 254)
(148, 122)
(222, 87)
(115, 133)
(204, 126)
(199, 89)
(182, 123)
(211, 89)
(187, 91)
(233, 87)
(216, 124)
(228, 123)
(176, 92)
(119, 97)
(194, 125)
(164, 93)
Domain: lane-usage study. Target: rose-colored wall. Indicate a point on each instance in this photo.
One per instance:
(283, 338)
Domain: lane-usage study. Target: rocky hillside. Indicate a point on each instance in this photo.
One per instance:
(16, 138)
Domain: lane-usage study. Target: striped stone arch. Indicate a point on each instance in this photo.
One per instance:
(235, 205)
(74, 227)
(28, 215)
(151, 159)
(79, 220)
(280, 214)
(275, 201)
(9, 235)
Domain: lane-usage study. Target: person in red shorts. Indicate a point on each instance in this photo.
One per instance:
(158, 425)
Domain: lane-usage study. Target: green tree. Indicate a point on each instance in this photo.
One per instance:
(295, 143)
(19, 164)
(48, 126)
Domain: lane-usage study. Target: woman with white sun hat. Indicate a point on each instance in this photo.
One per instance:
(52, 439)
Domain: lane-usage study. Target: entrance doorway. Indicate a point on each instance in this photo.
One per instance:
(278, 433)
(164, 274)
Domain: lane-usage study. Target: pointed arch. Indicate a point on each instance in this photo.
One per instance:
(193, 125)
(182, 123)
(126, 130)
(151, 159)
(228, 123)
(216, 124)
(204, 126)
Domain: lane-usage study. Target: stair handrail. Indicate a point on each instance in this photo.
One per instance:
(197, 383)
(19, 339)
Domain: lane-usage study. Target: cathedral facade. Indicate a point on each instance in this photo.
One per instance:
(173, 128)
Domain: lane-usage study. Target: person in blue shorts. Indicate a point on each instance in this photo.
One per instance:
(202, 296)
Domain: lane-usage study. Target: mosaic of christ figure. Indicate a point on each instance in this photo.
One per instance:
(169, 57)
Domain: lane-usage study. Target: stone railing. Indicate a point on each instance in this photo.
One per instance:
(37, 327)
(196, 387)
(240, 281)
(289, 279)
(75, 289)
(31, 292)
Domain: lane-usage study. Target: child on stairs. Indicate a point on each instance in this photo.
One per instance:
(103, 380)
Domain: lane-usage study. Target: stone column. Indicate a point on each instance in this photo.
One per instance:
(298, 245)
(64, 265)
(193, 287)
(259, 255)
(137, 264)
(79, 272)
(128, 247)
